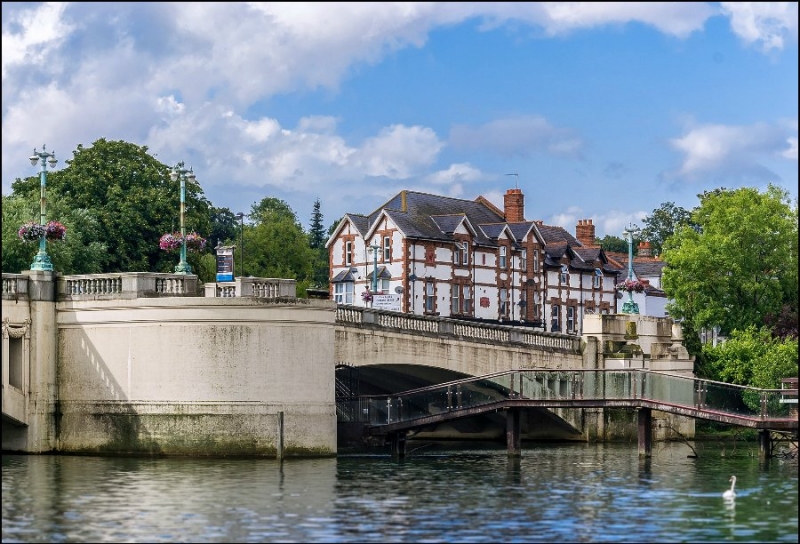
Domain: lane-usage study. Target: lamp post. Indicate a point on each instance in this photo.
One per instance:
(374, 248)
(179, 172)
(240, 217)
(630, 307)
(42, 261)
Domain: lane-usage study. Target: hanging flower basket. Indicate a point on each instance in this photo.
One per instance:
(33, 232)
(173, 241)
(631, 286)
(195, 242)
(366, 296)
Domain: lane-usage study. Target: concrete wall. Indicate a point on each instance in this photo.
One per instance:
(199, 376)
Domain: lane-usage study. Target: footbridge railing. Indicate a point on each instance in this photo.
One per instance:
(705, 399)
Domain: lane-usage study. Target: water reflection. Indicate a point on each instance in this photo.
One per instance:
(578, 492)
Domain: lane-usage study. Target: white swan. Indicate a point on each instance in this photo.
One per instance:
(730, 493)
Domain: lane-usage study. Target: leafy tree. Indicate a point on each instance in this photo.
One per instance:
(224, 226)
(661, 224)
(740, 263)
(277, 246)
(614, 243)
(752, 356)
(129, 193)
(81, 251)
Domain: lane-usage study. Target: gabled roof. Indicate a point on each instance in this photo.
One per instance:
(494, 230)
(359, 222)
(414, 213)
(557, 235)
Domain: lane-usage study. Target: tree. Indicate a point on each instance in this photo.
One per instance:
(662, 224)
(271, 208)
(316, 240)
(740, 263)
(614, 244)
(224, 226)
(129, 193)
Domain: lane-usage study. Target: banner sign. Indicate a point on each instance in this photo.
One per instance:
(225, 263)
(389, 302)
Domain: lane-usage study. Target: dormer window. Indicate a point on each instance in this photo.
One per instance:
(563, 277)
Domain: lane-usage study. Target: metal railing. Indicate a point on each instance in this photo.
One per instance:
(636, 385)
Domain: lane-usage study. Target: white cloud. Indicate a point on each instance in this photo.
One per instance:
(399, 151)
(520, 136)
(767, 24)
(455, 174)
(791, 151)
(723, 147)
(30, 35)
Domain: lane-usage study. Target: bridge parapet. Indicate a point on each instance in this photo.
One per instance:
(126, 285)
(15, 287)
(442, 326)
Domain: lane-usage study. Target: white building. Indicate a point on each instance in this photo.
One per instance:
(467, 259)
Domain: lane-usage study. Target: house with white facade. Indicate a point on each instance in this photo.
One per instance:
(648, 269)
(434, 255)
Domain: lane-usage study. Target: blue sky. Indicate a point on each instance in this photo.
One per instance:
(604, 111)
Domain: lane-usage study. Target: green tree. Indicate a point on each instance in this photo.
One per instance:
(81, 252)
(739, 265)
(224, 226)
(316, 240)
(130, 195)
(277, 246)
(614, 243)
(661, 224)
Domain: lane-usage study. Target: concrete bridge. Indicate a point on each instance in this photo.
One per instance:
(148, 363)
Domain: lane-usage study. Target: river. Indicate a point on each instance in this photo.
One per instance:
(554, 493)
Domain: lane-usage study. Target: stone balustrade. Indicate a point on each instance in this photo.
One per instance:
(15, 286)
(126, 285)
(252, 287)
(352, 315)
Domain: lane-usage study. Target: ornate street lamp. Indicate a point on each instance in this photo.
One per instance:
(179, 172)
(630, 307)
(240, 216)
(374, 248)
(42, 261)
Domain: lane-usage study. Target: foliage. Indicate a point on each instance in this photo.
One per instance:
(755, 358)
(129, 195)
(614, 244)
(661, 224)
(224, 226)
(784, 323)
(740, 263)
(316, 240)
(83, 251)
(272, 209)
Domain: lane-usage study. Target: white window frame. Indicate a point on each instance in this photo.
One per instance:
(343, 292)
(455, 301)
(430, 296)
(387, 249)
(467, 292)
(535, 260)
(503, 260)
(383, 284)
(596, 278)
(562, 278)
(555, 318)
(348, 253)
(523, 258)
(570, 318)
(503, 302)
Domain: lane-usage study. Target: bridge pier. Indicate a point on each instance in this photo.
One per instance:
(398, 441)
(645, 432)
(764, 444)
(513, 433)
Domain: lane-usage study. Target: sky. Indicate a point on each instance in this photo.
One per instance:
(601, 111)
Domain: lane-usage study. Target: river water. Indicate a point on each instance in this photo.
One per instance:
(554, 493)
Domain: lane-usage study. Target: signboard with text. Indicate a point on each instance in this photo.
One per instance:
(225, 263)
(386, 302)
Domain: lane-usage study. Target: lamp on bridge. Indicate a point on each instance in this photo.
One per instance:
(179, 172)
(630, 307)
(42, 261)
(240, 216)
(374, 250)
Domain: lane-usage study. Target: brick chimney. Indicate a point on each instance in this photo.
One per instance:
(584, 232)
(644, 249)
(514, 206)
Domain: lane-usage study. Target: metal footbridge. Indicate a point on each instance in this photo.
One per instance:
(768, 410)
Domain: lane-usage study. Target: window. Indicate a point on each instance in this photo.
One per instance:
(465, 254)
(570, 318)
(387, 249)
(455, 300)
(348, 253)
(596, 278)
(563, 277)
(343, 292)
(503, 302)
(523, 258)
(383, 285)
(430, 296)
(536, 260)
(554, 322)
(467, 290)
(502, 256)
(457, 253)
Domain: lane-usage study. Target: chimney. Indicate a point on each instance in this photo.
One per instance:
(514, 204)
(644, 249)
(403, 201)
(584, 232)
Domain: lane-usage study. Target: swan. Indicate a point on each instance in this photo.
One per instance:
(730, 493)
